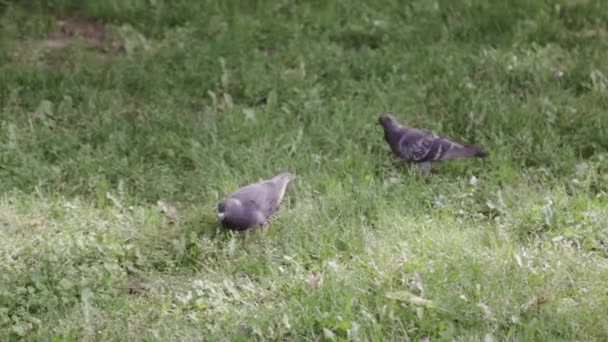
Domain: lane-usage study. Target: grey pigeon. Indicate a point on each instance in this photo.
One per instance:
(422, 147)
(253, 204)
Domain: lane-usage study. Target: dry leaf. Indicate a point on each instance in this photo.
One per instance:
(135, 287)
(473, 181)
(527, 305)
(314, 280)
(35, 222)
(353, 332)
(538, 300)
(328, 334)
(286, 322)
(487, 311)
(169, 210)
(249, 113)
(542, 299)
(411, 298)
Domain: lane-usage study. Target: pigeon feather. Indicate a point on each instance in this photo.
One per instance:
(254, 204)
(421, 146)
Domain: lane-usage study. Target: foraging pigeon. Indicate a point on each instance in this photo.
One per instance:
(253, 204)
(422, 147)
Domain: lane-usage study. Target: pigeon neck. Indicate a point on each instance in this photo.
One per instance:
(233, 207)
(390, 128)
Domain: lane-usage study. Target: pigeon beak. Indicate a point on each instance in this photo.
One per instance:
(220, 215)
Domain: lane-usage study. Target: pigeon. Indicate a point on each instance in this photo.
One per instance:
(254, 204)
(422, 147)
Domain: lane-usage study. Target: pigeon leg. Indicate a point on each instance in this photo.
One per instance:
(425, 167)
(243, 234)
(264, 229)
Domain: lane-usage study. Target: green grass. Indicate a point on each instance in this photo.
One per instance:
(91, 139)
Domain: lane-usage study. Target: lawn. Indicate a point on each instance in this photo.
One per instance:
(124, 122)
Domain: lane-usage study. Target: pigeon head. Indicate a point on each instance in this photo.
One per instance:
(232, 213)
(387, 120)
(230, 205)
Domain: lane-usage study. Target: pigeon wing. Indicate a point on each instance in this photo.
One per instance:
(260, 196)
(415, 145)
(421, 146)
(272, 199)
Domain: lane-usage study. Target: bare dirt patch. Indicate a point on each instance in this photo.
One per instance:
(92, 31)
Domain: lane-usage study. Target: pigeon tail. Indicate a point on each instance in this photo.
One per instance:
(473, 151)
